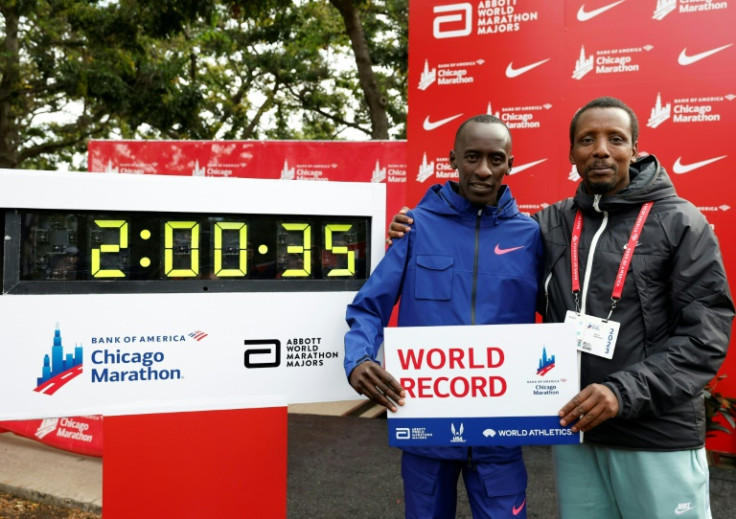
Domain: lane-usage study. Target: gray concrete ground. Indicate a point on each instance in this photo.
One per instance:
(338, 467)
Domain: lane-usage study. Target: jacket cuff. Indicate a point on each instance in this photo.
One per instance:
(621, 405)
(361, 360)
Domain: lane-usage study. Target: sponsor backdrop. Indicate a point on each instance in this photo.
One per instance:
(534, 62)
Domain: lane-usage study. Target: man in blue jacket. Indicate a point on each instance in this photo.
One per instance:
(472, 258)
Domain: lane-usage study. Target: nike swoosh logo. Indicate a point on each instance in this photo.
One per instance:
(512, 72)
(680, 168)
(519, 169)
(515, 510)
(429, 125)
(584, 16)
(683, 59)
(681, 511)
(498, 250)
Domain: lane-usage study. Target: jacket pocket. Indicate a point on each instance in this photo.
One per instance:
(434, 277)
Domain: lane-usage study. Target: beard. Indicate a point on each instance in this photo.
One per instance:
(600, 187)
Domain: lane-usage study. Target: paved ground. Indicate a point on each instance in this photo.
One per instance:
(338, 467)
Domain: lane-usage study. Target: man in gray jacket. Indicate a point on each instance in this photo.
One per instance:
(640, 270)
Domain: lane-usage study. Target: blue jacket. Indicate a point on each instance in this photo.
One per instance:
(460, 264)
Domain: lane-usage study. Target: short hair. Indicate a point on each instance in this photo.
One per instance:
(606, 102)
(483, 119)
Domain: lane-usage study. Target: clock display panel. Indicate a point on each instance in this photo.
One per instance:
(90, 251)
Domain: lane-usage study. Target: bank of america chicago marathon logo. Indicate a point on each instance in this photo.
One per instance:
(59, 368)
(697, 109)
(69, 428)
(307, 171)
(608, 61)
(665, 7)
(454, 73)
(393, 173)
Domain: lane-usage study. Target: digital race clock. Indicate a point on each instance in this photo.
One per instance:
(236, 247)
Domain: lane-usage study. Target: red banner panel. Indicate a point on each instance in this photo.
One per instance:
(533, 63)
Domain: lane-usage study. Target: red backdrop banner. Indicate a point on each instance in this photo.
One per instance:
(533, 63)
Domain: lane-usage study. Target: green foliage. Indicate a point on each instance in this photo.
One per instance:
(191, 69)
(716, 404)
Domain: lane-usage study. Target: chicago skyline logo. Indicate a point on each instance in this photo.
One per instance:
(664, 7)
(426, 169)
(58, 368)
(545, 363)
(660, 113)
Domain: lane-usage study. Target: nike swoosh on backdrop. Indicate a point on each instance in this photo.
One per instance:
(512, 72)
(584, 16)
(683, 59)
(429, 125)
(498, 250)
(680, 168)
(519, 169)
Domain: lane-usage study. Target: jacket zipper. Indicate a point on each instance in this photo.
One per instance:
(475, 267)
(473, 296)
(593, 244)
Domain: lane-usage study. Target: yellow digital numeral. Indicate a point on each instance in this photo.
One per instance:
(193, 250)
(109, 248)
(339, 249)
(242, 269)
(305, 249)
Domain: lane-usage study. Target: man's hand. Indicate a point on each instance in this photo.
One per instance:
(591, 407)
(399, 225)
(370, 379)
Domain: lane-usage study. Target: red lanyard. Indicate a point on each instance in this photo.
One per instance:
(623, 267)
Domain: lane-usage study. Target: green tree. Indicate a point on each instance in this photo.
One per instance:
(71, 70)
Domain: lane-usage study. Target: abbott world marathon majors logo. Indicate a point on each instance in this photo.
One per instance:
(493, 17)
(665, 7)
(699, 109)
(300, 352)
(608, 61)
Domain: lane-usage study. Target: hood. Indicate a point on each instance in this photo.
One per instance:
(648, 182)
(444, 199)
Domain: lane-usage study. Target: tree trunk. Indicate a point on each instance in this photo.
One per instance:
(9, 65)
(374, 97)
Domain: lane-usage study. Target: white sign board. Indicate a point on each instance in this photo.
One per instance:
(111, 350)
(482, 385)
